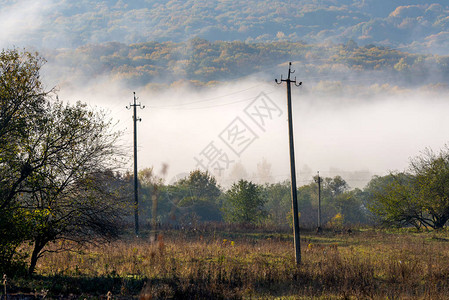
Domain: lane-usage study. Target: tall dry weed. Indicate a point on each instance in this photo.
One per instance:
(368, 265)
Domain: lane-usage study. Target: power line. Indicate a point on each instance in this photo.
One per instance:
(209, 99)
(205, 107)
(181, 106)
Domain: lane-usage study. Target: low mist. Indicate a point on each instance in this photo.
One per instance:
(352, 136)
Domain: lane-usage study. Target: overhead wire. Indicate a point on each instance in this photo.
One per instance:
(183, 106)
(210, 106)
(208, 99)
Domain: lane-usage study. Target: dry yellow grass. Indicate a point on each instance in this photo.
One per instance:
(369, 265)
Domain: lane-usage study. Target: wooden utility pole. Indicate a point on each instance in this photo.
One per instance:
(318, 180)
(292, 163)
(136, 180)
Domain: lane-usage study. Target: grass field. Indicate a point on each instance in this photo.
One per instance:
(235, 264)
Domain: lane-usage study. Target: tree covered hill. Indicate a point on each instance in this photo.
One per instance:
(202, 62)
(414, 25)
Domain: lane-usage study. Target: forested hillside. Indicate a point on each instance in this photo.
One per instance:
(200, 62)
(414, 25)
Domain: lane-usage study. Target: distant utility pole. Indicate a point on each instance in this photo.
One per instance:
(292, 163)
(136, 180)
(318, 180)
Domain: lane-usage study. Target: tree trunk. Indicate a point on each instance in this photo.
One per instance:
(440, 222)
(38, 246)
(440, 219)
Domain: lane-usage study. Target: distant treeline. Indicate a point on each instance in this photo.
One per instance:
(202, 62)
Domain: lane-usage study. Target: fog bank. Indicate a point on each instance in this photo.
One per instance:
(240, 129)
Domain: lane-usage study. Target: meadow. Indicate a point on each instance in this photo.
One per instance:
(235, 263)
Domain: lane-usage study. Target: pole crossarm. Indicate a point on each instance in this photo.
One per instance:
(134, 105)
(292, 163)
(136, 180)
(288, 80)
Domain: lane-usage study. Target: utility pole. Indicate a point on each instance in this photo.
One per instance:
(318, 180)
(136, 180)
(292, 163)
